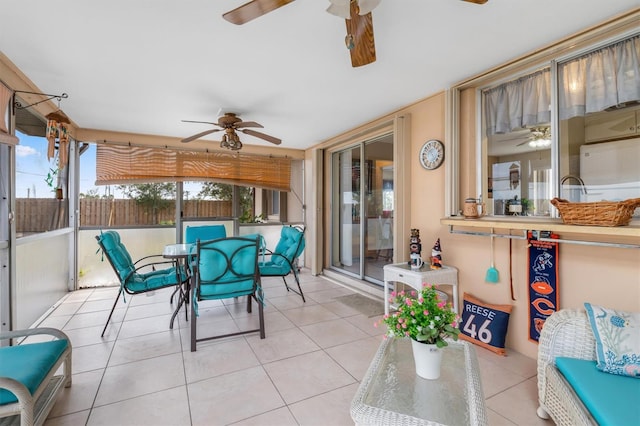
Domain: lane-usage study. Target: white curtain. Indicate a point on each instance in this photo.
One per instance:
(600, 79)
(518, 104)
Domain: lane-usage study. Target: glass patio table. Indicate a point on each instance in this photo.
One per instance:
(392, 394)
(180, 253)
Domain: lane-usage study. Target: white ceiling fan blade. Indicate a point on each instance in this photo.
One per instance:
(367, 6)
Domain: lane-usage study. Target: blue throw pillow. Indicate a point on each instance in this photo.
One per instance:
(617, 336)
(484, 324)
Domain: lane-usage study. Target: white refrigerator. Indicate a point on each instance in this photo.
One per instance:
(611, 170)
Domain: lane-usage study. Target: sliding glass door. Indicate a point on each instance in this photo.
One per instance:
(362, 217)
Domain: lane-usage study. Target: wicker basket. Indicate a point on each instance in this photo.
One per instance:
(600, 213)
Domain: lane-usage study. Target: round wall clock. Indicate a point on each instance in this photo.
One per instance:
(432, 154)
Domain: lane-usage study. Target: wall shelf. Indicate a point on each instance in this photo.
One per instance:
(616, 236)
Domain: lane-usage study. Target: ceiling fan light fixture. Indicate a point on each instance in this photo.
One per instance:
(367, 6)
(540, 137)
(340, 11)
(224, 143)
(539, 143)
(342, 8)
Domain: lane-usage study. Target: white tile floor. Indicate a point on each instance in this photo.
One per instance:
(305, 372)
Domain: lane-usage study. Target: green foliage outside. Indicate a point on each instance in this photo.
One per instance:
(224, 192)
(154, 197)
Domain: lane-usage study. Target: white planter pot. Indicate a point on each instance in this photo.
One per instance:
(427, 359)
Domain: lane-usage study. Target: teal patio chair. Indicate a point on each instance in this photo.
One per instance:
(226, 268)
(204, 233)
(284, 258)
(131, 276)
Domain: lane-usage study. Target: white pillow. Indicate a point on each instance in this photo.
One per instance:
(617, 336)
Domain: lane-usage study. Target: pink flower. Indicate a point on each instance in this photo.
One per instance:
(404, 325)
(421, 300)
(406, 333)
(408, 302)
(441, 304)
(398, 326)
(413, 313)
(413, 293)
(393, 294)
(375, 324)
(426, 312)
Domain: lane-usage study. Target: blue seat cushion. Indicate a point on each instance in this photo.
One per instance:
(611, 399)
(117, 253)
(274, 269)
(29, 364)
(204, 233)
(290, 245)
(154, 280)
(227, 268)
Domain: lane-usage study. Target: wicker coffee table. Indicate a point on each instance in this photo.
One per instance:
(392, 394)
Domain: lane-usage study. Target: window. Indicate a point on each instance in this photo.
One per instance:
(599, 123)
(580, 141)
(517, 132)
(274, 204)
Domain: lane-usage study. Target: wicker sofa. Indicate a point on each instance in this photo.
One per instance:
(568, 334)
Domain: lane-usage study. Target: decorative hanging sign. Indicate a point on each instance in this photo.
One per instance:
(543, 280)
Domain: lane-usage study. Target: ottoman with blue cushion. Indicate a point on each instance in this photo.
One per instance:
(29, 379)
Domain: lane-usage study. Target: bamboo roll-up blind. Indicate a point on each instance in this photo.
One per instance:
(6, 96)
(122, 164)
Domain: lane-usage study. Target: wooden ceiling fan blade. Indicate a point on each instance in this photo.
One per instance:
(199, 135)
(262, 136)
(476, 1)
(252, 10)
(248, 124)
(360, 39)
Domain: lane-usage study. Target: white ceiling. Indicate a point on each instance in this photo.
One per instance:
(142, 66)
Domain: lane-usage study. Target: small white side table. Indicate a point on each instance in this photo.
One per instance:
(402, 272)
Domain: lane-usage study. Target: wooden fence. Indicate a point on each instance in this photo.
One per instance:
(35, 215)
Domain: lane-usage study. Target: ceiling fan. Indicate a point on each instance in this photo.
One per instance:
(230, 123)
(539, 137)
(357, 14)
(534, 137)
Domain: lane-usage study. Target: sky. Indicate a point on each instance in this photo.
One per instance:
(32, 167)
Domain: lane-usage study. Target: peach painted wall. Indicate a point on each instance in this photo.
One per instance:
(606, 276)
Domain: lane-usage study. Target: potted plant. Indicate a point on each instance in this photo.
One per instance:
(427, 321)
